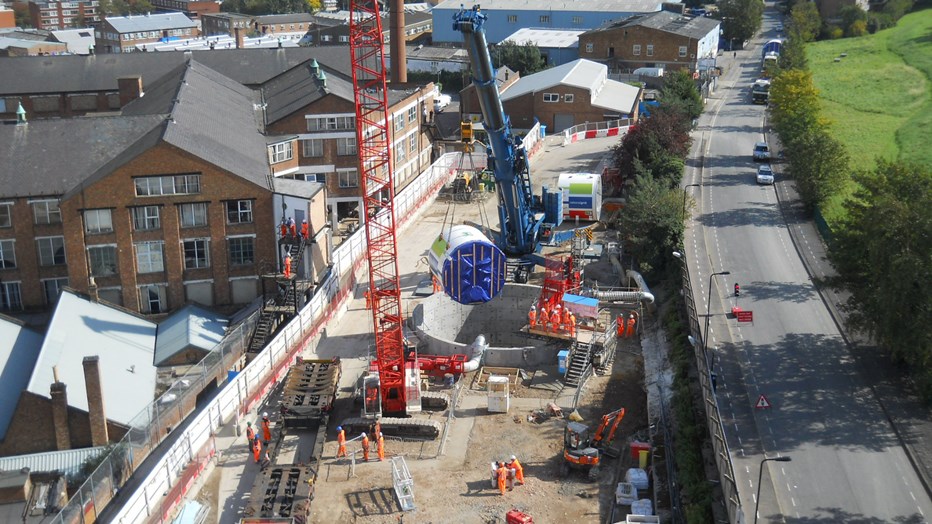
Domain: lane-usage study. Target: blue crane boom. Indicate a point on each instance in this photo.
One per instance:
(520, 225)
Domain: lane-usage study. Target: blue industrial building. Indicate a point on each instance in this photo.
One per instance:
(507, 16)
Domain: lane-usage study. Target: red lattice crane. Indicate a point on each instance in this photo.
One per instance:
(374, 146)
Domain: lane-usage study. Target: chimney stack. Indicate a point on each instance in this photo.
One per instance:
(130, 89)
(95, 402)
(397, 35)
(240, 39)
(58, 392)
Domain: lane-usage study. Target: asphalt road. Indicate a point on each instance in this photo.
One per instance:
(847, 464)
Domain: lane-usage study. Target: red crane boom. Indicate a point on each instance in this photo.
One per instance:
(374, 146)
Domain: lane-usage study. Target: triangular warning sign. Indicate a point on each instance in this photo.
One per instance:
(762, 403)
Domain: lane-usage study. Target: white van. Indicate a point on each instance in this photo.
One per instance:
(441, 102)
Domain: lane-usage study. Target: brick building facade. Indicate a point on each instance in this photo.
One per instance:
(121, 34)
(52, 15)
(663, 39)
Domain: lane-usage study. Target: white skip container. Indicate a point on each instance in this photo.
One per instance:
(582, 196)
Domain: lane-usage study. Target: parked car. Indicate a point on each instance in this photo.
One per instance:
(764, 174)
(761, 152)
(441, 102)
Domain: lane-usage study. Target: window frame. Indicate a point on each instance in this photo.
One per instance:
(305, 142)
(636, 49)
(354, 182)
(192, 206)
(184, 184)
(683, 51)
(141, 213)
(12, 249)
(51, 250)
(551, 97)
(58, 287)
(6, 215)
(281, 152)
(650, 49)
(6, 296)
(346, 146)
(239, 212)
(241, 260)
(201, 252)
(412, 143)
(544, 19)
(146, 301)
(512, 19)
(148, 260)
(589, 47)
(93, 265)
(96, 213)
(412, 114)
(49, 213)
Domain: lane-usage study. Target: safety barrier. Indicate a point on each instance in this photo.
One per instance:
(596, 130)
(167, 482)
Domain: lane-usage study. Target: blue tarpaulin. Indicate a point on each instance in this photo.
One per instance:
(581, 306)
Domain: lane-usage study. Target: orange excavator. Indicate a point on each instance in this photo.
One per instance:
(583, 451)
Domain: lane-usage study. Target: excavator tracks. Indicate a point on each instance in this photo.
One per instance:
(434, 401)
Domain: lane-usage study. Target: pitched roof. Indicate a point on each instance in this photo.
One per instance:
(584, 74)
(556, 38)
(285, 18)
(62, 152)
(124, 343)
(299, 87)
(689, 26)
(67, 461)
(190, 326)
(298, 188)
(621, 6)
(78, 41)
(147, 22)
(19, 349)
(75, 74)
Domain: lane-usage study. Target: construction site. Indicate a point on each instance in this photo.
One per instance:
(481, 370)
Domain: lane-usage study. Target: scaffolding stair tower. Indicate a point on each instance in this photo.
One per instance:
(283, 303)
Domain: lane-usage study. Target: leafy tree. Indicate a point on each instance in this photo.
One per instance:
(741, 18)
(882, 252)
(793, 54)
(819, 163)
(794, 105)
(523, 58)
(897, 8)
(853, 20)
(680, 89)
(652, 222)
(124, 7)
(805, 21)
(665, 133)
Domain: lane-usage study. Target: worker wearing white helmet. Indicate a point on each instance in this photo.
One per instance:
(266, 429)
(532, 317)
(519, 471)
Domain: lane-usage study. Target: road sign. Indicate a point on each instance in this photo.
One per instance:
(762, 403)
(745, 316)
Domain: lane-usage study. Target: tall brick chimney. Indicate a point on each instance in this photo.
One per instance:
(396, 18)
(58, 392)
(240, 39)
(95, 402)
(130, 89)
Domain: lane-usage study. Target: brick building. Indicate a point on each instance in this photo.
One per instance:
(227, 23)
(193, 9)
(7, 17)
(51, 15)
(121, 34)
(169, 202)
(663, 39)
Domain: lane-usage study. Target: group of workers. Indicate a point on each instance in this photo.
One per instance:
(256, 444)
(502, 470)
(364, 443)
(290, 227)
(626, 329)
(560, 319)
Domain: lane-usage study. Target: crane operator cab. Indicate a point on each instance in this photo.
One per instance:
(578, 452)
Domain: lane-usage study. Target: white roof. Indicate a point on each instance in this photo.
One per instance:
(552, 38)
(287, 39)
(67, 461)
(125, 344)
(621, 6)
(78, 41)
(584, 74)
(19, 348)
(153, 22)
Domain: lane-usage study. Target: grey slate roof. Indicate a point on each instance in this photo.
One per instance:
(75, 74)
(585, 74)
(693, 27)
(50, 157)
(289, 18)
(298, 188)
(298, 87)
(190, 326)
(124, 343)
(19, 349)
(150, 22)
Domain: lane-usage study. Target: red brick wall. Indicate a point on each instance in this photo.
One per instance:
(615, 47)
(27, 270)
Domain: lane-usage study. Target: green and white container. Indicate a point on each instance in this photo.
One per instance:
(582, 196)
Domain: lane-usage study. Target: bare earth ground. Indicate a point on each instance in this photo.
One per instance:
(456, 488)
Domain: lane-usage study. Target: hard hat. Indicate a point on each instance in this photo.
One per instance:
(363, 435)
(249, 423)
(339, 428)
(514, 457)
(380, 434)
(304, 221)
(533, 308)
(631, 316)
(265, 414)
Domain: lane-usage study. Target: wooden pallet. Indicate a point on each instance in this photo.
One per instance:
(482, 377)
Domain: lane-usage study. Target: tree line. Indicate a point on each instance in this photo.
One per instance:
(882, 248)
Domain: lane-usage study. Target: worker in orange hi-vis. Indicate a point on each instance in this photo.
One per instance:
(288, 265)
(341, 440)
(543, 316)
(292, 227)
(555, 319)
(250, 433)
(502, 477)
(284, 228)
(532, 317)
(572, 325)
(566, 319)
(266, 429)
(380, 446)
(256, 449)
(519, 471)
(631, 323)
(620, 326)
(365, 447)
(305, 229)
(378, 428)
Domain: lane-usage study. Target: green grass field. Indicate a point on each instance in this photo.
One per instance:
(879, 97)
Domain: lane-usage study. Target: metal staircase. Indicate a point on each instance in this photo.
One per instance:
(580, 361)
(283, 304)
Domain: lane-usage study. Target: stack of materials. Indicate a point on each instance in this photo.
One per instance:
(637, 477)
(625, 494)
(642, 507)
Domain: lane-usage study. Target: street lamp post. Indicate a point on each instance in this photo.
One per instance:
(708, 313)
(684, 198)
(760, 476)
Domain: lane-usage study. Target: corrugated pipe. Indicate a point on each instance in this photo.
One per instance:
(619, 296)
(478, 349)
(642, 285)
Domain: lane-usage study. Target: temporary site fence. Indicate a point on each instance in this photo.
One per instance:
(596, 130)
(166, 483)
